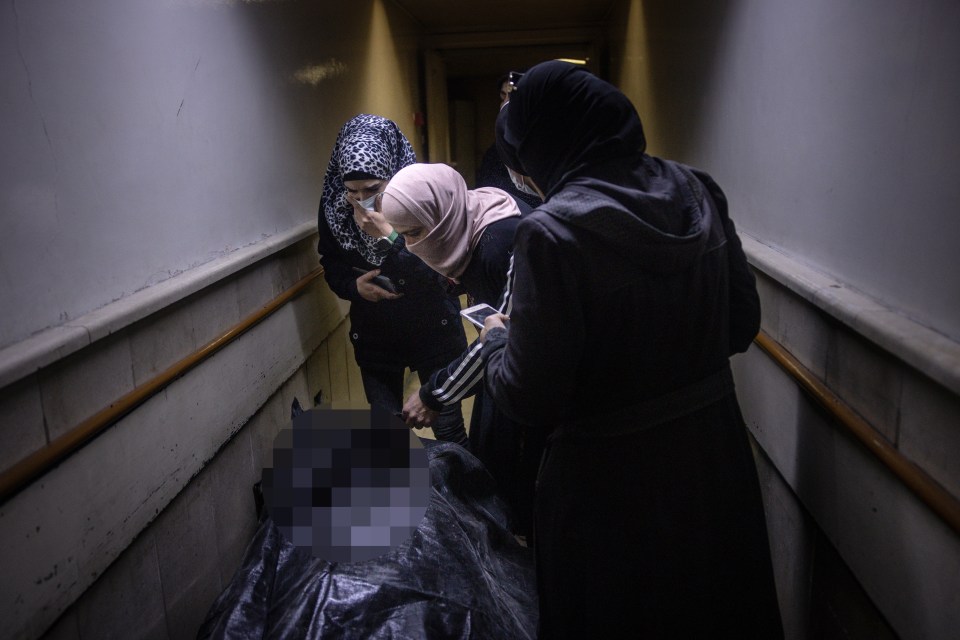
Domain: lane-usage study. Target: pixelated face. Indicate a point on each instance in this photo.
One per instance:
(347, 485)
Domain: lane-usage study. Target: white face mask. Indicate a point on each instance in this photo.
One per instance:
(368, 204)
(520, 184)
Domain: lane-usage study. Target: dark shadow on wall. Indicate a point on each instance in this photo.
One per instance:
(839, 606)
(684, 43)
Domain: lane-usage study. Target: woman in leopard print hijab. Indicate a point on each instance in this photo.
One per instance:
(409, 321)
(368, 148)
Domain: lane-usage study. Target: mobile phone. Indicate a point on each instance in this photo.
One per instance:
(477, 313)
(381, 281)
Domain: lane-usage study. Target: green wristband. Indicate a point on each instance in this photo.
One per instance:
(393, 236)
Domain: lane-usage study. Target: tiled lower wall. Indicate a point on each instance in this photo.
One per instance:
(853, 546)
(165, 582)
(134, 535)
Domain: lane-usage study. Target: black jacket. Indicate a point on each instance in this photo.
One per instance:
(422, 325)
(609, 310)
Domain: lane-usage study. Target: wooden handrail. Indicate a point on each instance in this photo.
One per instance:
(17, 477)
(938, 499)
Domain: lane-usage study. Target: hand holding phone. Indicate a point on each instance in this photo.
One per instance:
(375, 287)
(477, 313)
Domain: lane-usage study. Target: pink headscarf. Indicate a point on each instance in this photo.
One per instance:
(436, 197)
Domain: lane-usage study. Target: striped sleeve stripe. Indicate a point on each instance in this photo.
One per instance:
(466, 384)
(470, 370)
(466, 369)
(506, 301)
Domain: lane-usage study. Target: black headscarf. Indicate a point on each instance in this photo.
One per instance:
(562, 119)
(565, 127)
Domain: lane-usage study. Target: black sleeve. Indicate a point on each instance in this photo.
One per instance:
(532, 366)
(399, 264)
(337, 268)
(408, 271)
(458, 380)
(462, 377)
(744, 299)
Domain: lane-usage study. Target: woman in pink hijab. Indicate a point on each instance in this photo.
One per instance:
(467, 236)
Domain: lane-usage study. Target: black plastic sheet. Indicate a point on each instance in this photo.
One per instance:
(461, 575)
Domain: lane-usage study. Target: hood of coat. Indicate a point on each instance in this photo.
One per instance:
(663, 234)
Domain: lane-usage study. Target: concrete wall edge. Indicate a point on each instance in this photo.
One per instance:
(927, 350)
(23, 358)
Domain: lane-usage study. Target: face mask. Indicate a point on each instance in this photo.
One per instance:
(368, 204)
(520, 184)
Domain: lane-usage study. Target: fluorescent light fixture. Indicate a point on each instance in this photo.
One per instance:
(574, 60)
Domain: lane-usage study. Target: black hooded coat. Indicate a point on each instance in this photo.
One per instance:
(631, 292)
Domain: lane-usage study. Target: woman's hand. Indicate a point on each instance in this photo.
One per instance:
(371, 292)
(416, 414)
(372, 222)
(493, 321)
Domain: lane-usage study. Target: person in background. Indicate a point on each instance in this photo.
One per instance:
(493, 173)
(467, 235)
(412, 319)
(630, 292)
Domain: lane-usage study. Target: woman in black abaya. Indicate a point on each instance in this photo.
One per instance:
(630, 292)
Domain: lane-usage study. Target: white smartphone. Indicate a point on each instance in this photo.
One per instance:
(477, 313)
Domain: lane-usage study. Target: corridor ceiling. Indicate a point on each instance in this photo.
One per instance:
(456, 16)
(491, 36)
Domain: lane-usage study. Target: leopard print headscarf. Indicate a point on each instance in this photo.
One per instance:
(372, 145)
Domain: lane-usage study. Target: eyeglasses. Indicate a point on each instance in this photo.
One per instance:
(513, 78)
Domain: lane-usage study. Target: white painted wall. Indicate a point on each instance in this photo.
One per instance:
(902, 554)
(142, 138)
(832, 126)
(180, 142)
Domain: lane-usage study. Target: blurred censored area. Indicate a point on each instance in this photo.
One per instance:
(347, 485)
(461, 575)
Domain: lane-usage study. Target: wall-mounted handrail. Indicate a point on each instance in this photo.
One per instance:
(938, 499)
(22, 473)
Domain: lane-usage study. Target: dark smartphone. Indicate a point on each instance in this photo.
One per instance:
(381, 281)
